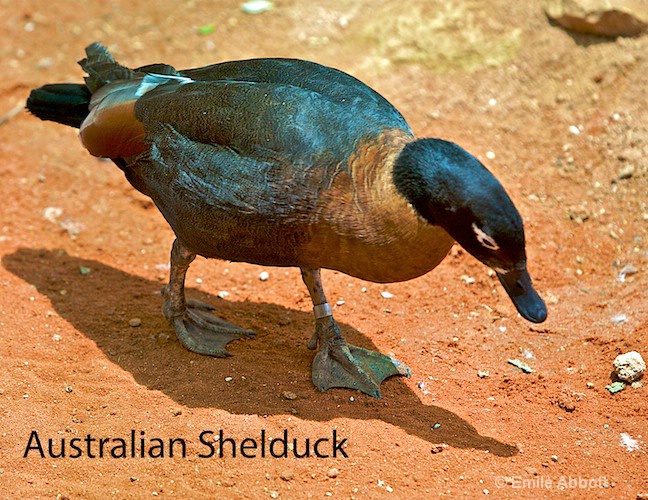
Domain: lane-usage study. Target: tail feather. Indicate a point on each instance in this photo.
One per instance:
(102, 67)
(65, 103)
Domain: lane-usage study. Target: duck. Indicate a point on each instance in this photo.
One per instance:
(289, 163)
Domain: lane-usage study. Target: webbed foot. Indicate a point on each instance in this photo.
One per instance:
(199, 330)
(339, 364)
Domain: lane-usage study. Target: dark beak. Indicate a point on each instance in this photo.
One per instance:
(517, 284)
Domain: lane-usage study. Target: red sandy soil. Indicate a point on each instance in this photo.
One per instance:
(72, 365)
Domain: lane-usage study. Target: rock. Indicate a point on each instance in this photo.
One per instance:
(135, 322)
(289, 395)
(532, 471)
(609, 18)
(438, 448)
(287, 475)
(629, 366)
(332, 472)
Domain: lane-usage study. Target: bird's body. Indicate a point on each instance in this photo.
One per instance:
(284, 162)
(249, 158)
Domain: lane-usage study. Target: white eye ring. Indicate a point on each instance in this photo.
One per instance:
(484, 239)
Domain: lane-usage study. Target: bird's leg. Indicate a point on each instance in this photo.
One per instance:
(196, 327)
(337, 363)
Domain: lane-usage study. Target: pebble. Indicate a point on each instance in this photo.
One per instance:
(532, 471)
(626, 172)
(521, 365)
(264, 276)
(68, 388)
(483, 373)
(554, 458)
(629, 366)
(52, 213)
(490, 155)
(228, 379)
(619, 318)
(386, 295)
(438, 448)
(256, 6)
(332, 472)
(56, 337)
(615, 387)
(135, 322)
(574, 130)
(468, 280)
(627, 270)
(222, 295)
(289, 395)
(590, 385)
(287, 475)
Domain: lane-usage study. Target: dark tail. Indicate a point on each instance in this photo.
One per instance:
(65, 103)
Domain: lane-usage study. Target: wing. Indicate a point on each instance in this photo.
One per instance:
(328, 82)
(265, 119)
(212, 176)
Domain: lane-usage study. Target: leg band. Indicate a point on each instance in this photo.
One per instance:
(322, 310)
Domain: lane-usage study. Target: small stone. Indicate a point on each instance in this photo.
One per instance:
(287, 475)
(619, 318)
(68, 388)
(626, 172)
(56, 337)
(222, 294)
(468, 280)
(490, 155)
(228, 379)
(615, 387)
(574, 130)
(627, 270)
(554, 458)
(629, 366)
(438, 448)
(84, 270)
(483, 373)
(637, 384)
(256, 6)
(599, 17)
(332, 472)
(264, 276)
(135, 322)
(289, 395)
(176, 412)
(386, 295)
(521, 365)
(590, 385)
(436, 426)
(532, 471)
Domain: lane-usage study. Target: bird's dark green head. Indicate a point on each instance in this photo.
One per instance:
(450, 188)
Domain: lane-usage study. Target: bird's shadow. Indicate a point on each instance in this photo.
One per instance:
(100, 302)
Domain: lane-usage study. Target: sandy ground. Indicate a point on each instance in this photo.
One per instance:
(83, 254)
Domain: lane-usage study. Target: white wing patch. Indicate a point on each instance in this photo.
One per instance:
(152, 80)
(484, 239)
